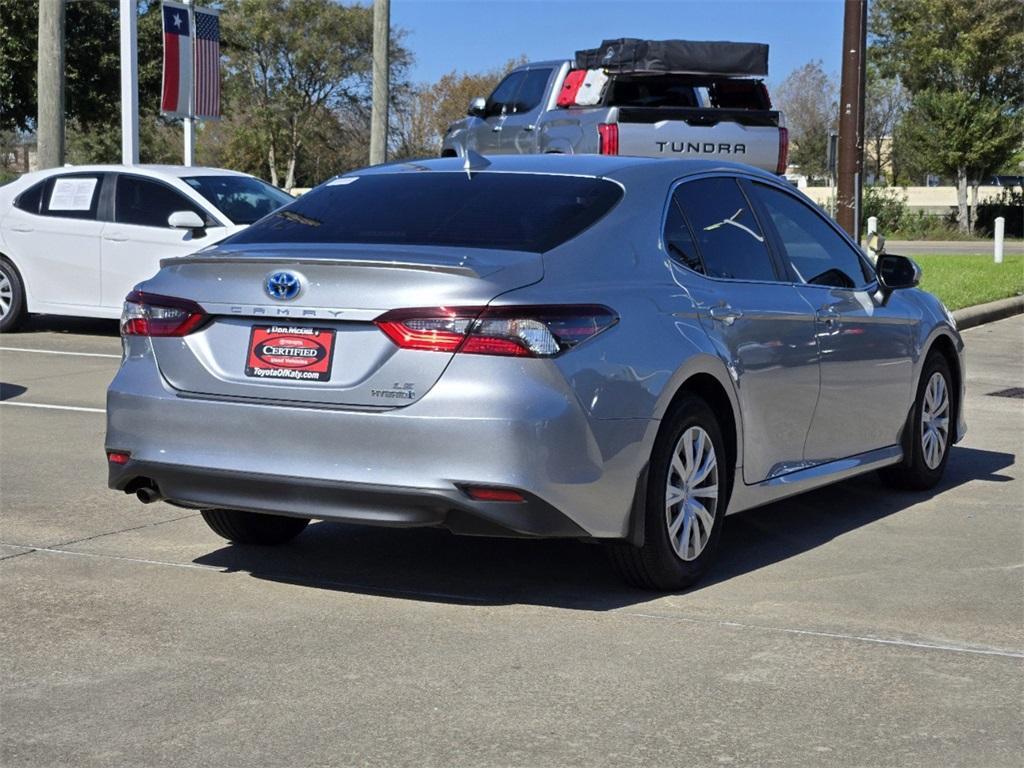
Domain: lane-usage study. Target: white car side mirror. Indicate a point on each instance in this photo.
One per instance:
(186, 220)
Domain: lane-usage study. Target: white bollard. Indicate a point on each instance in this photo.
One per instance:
(1000, 231)
(872, 229)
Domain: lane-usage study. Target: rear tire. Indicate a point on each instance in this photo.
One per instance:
(687, 494)
(254, 528)
(12, 297)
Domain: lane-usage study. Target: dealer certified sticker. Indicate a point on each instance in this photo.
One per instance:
(290, 352)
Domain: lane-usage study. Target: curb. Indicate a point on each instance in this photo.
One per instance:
(968, 317)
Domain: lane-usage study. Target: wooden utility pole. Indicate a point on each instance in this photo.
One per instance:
(851, 116)
(50, 85)
(381, 60)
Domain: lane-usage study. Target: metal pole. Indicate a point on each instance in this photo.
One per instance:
(379, 116)
(129, 83)
(50, 79)
(1000, 232)
(189, 122)
(851, 114)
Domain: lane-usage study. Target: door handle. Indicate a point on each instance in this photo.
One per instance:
(496, 129)
(527, 128)
(22, 229)
(116, 238)
(829, 315)
(725, 314)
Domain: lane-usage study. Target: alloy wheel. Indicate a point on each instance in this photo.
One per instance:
(935, 420)
(691, 493)
(6, 293)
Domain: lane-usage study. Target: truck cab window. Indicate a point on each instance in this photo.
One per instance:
(531, 91)
(501, 99)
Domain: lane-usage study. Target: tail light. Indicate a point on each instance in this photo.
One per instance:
(608, 135)
(783, 151)
(146, 314)
(523, 331)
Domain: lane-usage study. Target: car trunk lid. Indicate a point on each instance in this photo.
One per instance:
(324, 336)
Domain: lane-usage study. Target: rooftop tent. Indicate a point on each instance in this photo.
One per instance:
(630, 54)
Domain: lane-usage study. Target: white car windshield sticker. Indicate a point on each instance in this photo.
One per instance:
(72, 194)
(342, 180)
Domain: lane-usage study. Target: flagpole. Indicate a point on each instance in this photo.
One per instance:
(129, 83)
(190, 121)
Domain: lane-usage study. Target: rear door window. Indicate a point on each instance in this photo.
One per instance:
(816, 252)
(729, 237)
(72, 196)
(149, 203)
(506, 211)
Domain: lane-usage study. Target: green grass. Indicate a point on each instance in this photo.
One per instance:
(963, 281)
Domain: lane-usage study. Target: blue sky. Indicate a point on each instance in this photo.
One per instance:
(479, 35)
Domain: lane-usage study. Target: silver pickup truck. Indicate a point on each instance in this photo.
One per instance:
(646, 106)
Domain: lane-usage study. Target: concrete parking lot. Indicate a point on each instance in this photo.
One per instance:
(851, 626)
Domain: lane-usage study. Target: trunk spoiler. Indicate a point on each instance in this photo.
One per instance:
(277, 258)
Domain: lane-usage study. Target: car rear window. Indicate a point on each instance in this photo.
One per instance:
(506, 211)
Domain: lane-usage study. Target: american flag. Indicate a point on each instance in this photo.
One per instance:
(207, 68)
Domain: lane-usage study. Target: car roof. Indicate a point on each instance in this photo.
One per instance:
(174, 171)
(607, 166)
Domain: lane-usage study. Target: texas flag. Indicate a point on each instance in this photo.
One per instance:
(177, 93)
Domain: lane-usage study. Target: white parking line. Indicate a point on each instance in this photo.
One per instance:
(1013, 654)
(55, 407)
(56, 352)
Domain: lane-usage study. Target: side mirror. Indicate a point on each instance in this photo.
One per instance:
(188, 220)
(477, 107)
(896, 272)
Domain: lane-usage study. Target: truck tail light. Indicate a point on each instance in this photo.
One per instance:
(783, 151)
(517, 331)
(147, 314)
(608, 135)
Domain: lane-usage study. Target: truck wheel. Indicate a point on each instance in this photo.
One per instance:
(253, 527)
(687, 494)
(12, 297)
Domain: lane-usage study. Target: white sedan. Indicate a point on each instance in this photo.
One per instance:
(76, 240)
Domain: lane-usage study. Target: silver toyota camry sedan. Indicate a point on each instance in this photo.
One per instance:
(607, 348)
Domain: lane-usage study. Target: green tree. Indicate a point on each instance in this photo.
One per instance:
(807, 98)
(298, 77)
(963, 63)
(92, 74)
(885, 103)
(425, 115)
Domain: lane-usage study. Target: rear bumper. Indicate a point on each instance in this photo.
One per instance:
(399, 507)
(489, 421)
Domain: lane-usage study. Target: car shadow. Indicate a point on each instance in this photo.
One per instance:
(81, 326)
(434, 565)
(11, 391)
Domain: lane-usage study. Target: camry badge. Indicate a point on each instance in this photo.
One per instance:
(282, 286)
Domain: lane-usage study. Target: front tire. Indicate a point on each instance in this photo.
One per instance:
(254, 528)
(12, 297)
(930, 429)
(687, 495)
